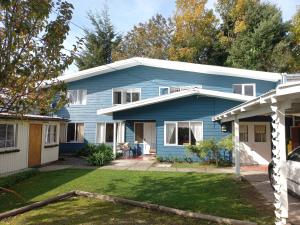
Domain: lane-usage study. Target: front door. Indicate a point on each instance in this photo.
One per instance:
(149, 138)
(145, 133)
(35, 144)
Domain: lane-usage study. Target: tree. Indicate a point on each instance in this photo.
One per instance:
(99, 43)
(150, 39)
(32, 52)
(195, 32)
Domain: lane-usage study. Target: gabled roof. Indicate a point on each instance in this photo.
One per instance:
(173, 96)
(173, 65)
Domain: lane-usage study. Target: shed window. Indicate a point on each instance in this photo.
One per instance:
(8, 135)
(77, 97)
(244, 133)
(260, 133)
(75, 132)
(51, 134)
(244, 89)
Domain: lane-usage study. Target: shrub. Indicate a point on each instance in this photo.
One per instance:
(226, 143)
(100, 154)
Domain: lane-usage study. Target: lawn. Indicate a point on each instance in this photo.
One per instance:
(215, 194)
(90, 211)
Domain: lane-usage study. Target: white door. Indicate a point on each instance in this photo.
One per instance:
(149, 138)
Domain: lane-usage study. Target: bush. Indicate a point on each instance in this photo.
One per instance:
(100, 155)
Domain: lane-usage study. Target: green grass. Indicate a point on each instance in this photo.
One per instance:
(215, 194)
(91, 211)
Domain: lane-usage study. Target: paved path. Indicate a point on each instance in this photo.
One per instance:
(261, 182)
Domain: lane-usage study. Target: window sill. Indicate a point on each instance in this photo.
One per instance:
(9, 151)
(51, 146)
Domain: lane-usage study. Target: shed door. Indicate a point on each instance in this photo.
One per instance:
(35, 144)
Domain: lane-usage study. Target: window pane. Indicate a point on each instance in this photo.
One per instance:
(71, 132)
(128, 97)
(100, 133)
(10, 139)
(80, 132)
(2, 135)
(62, 133)
(139, 132)
(244, 133)
(237, 89)
(260, 133)
(72, 94)
(295, 156)
(170, 133)
(109, 133)
(249, 90)
(120, 132)
(196, 132)
(135, 96)
(163, 91)
(183, 133)
(117, 97)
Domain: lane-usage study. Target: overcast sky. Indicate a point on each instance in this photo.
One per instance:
(126, 13)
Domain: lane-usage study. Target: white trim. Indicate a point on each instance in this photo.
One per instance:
(173, 65)
(243, 88)
(176, 95)
(176, 131)
(160, 87)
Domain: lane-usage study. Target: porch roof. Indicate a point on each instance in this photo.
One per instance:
(287, 94)
(173, 96)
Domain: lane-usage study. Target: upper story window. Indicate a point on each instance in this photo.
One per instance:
(122, 96)
(244, 89)
(8, 134)
(77, 97)
(51, 134)
(169, 90)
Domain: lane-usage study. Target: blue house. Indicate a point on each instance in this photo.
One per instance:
(160, 105)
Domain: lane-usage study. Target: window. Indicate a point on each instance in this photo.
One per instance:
(105, 132)
(244, 89)
(164, 90)
(183, 133)
(63, 133)
(77, 97)
(168, 90)
(260, 134)
(75, 132)
(244, 133)
(139, 132)
(122, 96)
(8, 135)
(51, 134)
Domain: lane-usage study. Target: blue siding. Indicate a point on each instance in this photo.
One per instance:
(192, 108)
(99, 91)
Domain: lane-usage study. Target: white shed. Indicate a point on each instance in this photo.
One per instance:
(30, 141)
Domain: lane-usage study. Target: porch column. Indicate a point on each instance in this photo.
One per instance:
(280, 167)
(115, 140)
(237, 146)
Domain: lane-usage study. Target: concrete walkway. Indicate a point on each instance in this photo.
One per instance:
(261, 182)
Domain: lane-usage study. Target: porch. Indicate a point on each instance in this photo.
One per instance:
(279, 104)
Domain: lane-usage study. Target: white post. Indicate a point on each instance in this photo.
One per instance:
(280, 166)
(237, 146)
(115, 140)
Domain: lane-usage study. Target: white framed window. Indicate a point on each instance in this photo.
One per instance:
(244, 133)
(260, 133)
(77, 97)
(164, 90)
(183, 132)
(105, 132)
(123, 96)
(168, 90)
(75, 133)
(244, 89)
(51, 134)
(8, 135)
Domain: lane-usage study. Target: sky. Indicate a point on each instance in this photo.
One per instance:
(126, 13)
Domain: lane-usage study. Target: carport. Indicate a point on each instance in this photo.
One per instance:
(277, 104)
